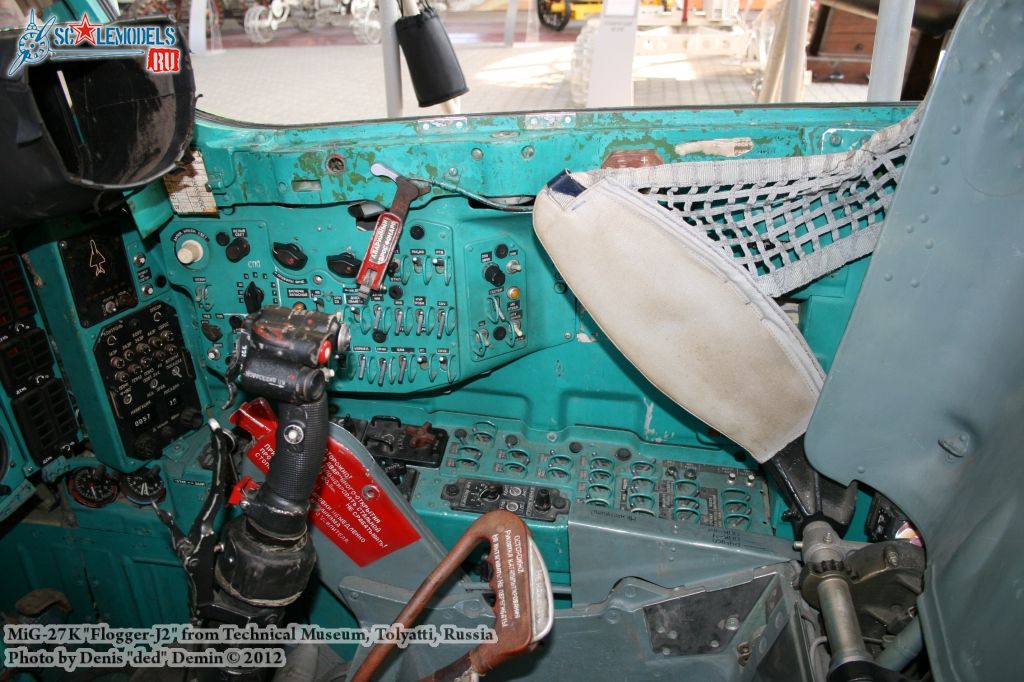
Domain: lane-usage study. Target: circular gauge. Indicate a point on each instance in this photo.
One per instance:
(143, 487)
(92, 486)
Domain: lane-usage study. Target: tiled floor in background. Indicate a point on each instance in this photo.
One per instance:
(283, 83)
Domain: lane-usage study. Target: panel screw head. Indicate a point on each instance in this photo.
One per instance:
(293, 434)
(335, 164)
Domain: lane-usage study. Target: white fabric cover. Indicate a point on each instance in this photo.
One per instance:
(684, 313)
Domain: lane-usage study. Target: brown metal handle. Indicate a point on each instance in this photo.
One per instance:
(510, 558)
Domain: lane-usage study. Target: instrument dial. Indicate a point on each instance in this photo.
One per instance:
(143, 487)
(92, 487)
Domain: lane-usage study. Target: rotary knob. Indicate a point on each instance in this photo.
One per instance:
(190, 251)
(494, 275)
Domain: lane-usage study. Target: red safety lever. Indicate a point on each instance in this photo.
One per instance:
(387, 231)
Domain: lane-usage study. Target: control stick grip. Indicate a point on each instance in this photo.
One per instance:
(299, 453)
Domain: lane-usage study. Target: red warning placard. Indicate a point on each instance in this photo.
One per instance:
(348, 505)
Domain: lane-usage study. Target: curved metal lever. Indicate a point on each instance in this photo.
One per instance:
(523, 605)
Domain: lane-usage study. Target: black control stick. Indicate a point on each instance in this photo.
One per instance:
(282, 354)
(262, 560)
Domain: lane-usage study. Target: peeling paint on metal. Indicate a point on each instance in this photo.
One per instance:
(728, 147)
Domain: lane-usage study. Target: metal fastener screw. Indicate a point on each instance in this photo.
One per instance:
(335, 164)
(293, 434)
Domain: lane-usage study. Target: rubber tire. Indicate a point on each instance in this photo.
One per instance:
(556, 22)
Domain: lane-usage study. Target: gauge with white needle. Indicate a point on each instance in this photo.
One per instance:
(144, 487)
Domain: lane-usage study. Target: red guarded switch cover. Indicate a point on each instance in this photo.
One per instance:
(348, 505)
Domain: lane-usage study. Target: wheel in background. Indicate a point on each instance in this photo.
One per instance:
(554, 20)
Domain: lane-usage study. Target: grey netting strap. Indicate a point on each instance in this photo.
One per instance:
(786, 221)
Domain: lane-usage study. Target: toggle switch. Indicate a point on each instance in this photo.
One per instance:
(442, 315)
(498, 314)
(399, 321)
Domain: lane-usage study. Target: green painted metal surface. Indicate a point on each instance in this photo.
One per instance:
(565, 383)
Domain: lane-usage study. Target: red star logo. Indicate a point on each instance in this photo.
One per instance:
(85, 30)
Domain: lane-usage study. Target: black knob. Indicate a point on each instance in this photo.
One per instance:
(380, 336)
(253, 298)
(365, 210)
(344, 265)
(236, 321)
(395, 292)
(147, 447)
(211, 331)
(491, 492)
(289, 255)
(499, 333)
(223, 238)
(191, 418)
(494, 275)
(543, 501)
(237, 249)
(416, 232)
(501, 250)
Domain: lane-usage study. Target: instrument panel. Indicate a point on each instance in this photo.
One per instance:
(454, 303)
(149, 378)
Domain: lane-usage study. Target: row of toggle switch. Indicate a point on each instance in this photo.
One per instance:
(399, 369)
(382, 320)
(425, 267)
